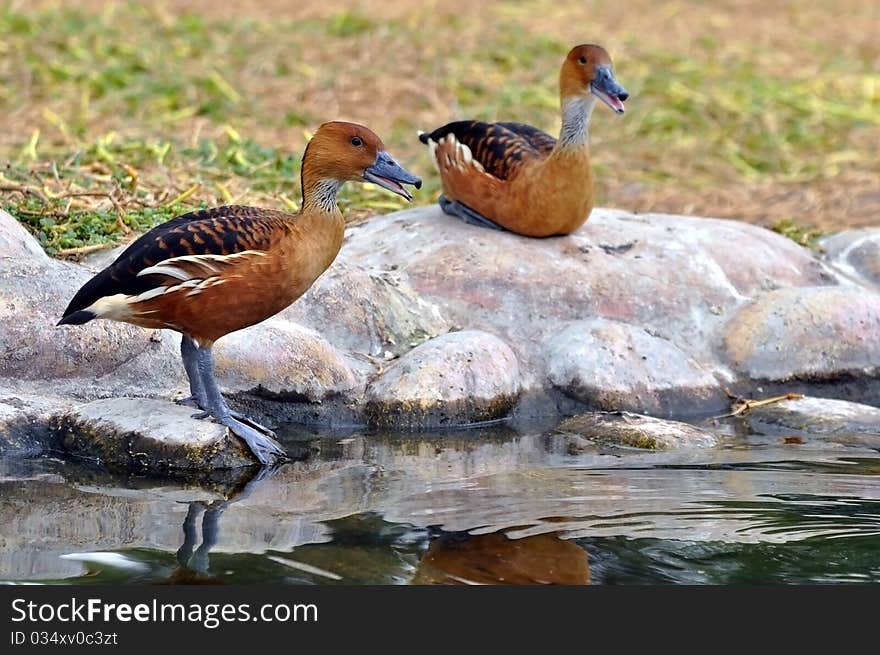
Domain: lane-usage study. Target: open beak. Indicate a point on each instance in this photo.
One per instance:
(606, 88)
(390, 175)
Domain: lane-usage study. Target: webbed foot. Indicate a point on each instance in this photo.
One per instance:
(259, 427)
(262, 445)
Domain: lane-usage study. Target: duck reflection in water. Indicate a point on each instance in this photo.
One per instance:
(463, 558)
(193, 562)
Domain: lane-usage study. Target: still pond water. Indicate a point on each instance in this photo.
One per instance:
(468, 508)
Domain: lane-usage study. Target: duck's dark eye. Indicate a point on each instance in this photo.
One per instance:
(583, 60)
(356, 141)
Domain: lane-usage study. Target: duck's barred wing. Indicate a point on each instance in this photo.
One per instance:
(185, 248)
(500, 148)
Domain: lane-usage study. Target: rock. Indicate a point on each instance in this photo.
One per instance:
(816, 416)
(24, 422)
(457, 378)
(283, 359)
(98, 261)
(375, 313)
(856, 253)
(650, 313)
(17, 243)
(137, 434)
(611, 365)
(811, 333)
(633, 430)
(674, 275)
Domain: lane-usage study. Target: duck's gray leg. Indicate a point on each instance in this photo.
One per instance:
(198, 397)
(261, 441)
(189, 354)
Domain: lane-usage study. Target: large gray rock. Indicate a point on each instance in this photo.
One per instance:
(141, 434)
(811, 333)
(25, 419)
(611, 365)
(458, 378)
(632, 430)
(674, 275)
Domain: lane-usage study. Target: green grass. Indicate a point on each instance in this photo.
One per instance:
(122, 117)
(801, 234)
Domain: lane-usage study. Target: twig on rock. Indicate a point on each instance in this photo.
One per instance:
(742, 405)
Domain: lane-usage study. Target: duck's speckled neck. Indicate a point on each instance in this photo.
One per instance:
(576, 113)
(321, 195)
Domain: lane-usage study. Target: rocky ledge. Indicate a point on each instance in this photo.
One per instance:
(424, 321)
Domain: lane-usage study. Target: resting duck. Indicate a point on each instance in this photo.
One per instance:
(516, 177)
(211, 272)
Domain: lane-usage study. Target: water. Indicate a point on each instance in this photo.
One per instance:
(466, 508)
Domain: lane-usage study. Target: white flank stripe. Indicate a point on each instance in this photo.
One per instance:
(209, 264)
(165, 269)
(147, 295)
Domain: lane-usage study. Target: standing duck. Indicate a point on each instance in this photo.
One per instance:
(214, 271)
(514, 176)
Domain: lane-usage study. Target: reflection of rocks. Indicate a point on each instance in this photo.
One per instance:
(44, 519)
(447, 456)
(612, 365)
(816, 416)
(635, 502)
(519, 485)
(496, 559)
(460, 377)
(633, 430)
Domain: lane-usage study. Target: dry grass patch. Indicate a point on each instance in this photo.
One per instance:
(119, 115)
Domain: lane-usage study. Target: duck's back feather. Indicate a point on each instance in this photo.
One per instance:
(500, 148)
(538, 139)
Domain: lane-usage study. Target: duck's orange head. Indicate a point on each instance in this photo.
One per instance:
(586, 70)
(344, 152)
